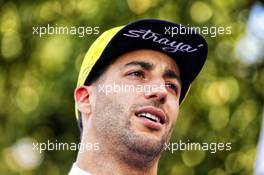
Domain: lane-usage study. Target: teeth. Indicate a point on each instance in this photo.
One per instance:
(150, 116)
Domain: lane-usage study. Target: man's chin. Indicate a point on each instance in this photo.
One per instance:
(143, 148)
(146, 143)
(149, 136)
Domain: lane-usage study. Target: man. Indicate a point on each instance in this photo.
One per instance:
(128, 127)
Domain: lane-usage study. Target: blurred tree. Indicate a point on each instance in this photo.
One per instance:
(38, 76)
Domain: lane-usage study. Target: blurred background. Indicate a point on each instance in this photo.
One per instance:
(38, 76)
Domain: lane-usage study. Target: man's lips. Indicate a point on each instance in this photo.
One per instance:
(152, 117)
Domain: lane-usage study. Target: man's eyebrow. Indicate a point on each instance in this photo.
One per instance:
(142, 64)
(172, 74)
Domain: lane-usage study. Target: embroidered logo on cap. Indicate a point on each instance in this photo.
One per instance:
(169, 45)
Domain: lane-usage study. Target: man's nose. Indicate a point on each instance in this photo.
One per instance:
(157, 92)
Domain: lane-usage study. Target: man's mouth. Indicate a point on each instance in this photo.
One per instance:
(151, 117)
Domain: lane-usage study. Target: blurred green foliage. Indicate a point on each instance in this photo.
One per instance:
(38, 76)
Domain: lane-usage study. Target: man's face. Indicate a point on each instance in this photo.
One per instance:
(141, 119)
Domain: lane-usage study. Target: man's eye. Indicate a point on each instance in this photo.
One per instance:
(137, 74)
(171, 86)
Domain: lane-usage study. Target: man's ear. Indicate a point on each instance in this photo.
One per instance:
(81, 96)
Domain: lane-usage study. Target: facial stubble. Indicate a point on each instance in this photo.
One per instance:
(112, 123)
